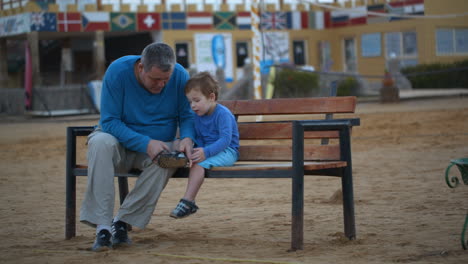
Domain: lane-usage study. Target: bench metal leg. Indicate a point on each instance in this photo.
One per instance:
(347, 185)
(70, 199)
(464, 241)
(297, 217)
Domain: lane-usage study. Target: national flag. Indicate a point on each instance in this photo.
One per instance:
(149, 21)
(339, 18)
(173, 20)
(69, 22)
(414, 7)
(327, 19)
(299, 20)
(224, 20)
(396, 8)
(358, 15)
(243, 20)
(93, 21)
(373, 18)
(353, 16)
(275, 20)
(42, 21)
(199, 20)
(123, 21)
(316, 20)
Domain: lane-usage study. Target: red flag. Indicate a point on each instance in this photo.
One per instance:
(27, 78)
(148, 21)
(69, 22)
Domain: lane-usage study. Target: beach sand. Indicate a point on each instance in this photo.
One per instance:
(405, 212)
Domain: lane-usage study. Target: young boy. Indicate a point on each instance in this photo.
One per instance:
(216, 137)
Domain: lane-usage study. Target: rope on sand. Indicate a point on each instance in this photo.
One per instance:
(178, 256)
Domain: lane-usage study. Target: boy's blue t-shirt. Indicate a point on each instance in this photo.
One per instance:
(135, 116)
(217, 131)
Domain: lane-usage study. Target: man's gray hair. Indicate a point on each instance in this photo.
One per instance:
(159, 55)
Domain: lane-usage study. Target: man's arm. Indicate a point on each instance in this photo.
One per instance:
(111, 112)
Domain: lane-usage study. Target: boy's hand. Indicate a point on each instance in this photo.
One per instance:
(198, 155)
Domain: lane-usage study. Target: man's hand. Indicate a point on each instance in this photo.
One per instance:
(186, 146)
(198, 155)
(155, 147)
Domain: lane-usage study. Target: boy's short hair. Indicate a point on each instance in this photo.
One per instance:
(203, 82)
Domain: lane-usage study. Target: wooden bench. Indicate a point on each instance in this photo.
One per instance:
(297, 153)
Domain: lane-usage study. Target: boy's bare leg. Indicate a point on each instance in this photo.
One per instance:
(196, 178)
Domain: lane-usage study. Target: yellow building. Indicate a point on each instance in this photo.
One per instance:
(357, 36)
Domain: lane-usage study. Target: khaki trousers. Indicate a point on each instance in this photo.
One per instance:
(107, 156)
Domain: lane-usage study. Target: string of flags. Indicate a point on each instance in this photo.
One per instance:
(148, 21)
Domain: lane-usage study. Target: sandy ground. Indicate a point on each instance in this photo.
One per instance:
(405, 213)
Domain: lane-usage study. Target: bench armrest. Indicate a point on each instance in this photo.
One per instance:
(343, 126)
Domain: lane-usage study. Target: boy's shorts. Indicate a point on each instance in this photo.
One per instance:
(226, 157)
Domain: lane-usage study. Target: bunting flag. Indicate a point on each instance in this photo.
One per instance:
(299, 20)
(199, 20)
(123, 22)
(379, 8)
(173, 20)
(224, 20)
(93, 21)
(69, 22)
(42, 21)
(354, 16)
(243, 20)
(275, 20)
(148, 21)
(316, 20)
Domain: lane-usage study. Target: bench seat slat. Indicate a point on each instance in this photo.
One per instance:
(308, 165)
(82, 170)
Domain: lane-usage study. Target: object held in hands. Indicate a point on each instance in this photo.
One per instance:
(175, 159)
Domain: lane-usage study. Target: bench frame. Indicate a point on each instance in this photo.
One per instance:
(296, 172)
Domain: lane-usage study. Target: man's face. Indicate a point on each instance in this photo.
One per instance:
(153, 80)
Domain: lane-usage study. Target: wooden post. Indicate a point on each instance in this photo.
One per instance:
(99, 54)
(3, 64)
(256, 48)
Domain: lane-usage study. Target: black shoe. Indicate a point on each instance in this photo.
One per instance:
(184, 209)
(103, 241)
(119, 234)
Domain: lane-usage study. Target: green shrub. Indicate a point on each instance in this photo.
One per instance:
(347, 87)
(438, 75)
(294, 83)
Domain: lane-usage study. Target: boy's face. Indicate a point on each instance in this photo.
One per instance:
(154, 80)
(199, 103)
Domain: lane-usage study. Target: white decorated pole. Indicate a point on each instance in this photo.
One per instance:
(256, 48)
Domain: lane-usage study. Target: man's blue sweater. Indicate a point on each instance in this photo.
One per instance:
(135, 116)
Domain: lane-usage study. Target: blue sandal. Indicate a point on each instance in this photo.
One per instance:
(184, 209)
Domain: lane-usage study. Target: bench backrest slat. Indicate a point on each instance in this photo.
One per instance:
(284, 152)
(318, 105)
(277, 130)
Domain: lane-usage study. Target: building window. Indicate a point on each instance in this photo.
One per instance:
(299, 52)
(451, 41)
(182, 54)
(242, 53)
(402, 46)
